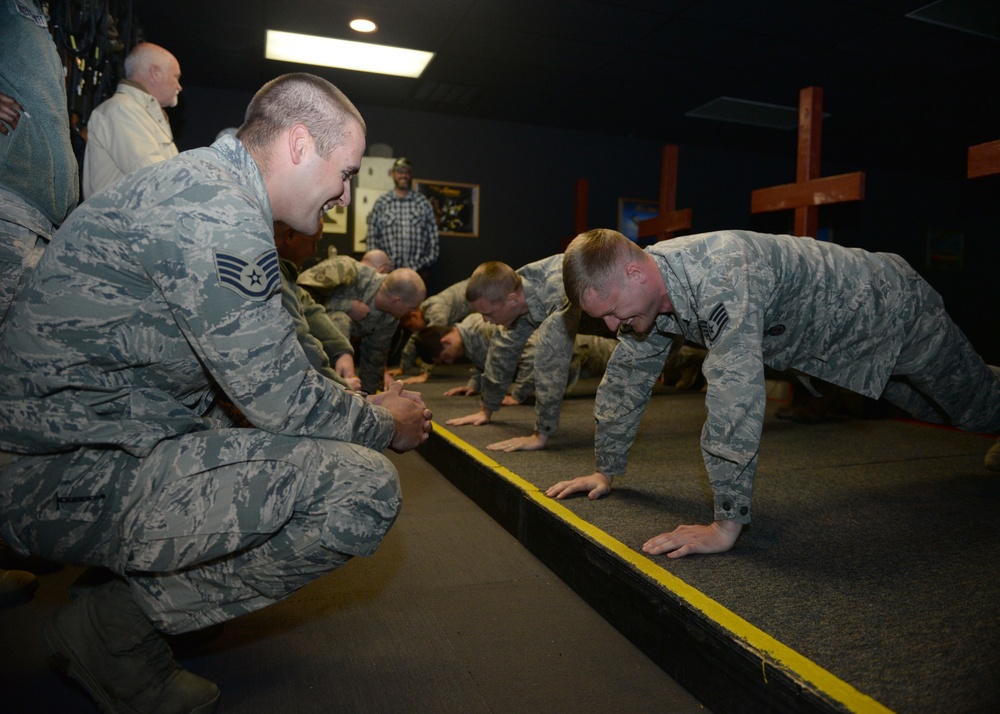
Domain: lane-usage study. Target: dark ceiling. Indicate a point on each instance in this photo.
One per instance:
(896, 89)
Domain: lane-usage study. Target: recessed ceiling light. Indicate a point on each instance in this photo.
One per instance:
(361, 25)
(745, 111)
(344, 54)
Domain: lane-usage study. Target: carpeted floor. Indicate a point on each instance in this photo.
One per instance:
(450, 615)
(871, 550)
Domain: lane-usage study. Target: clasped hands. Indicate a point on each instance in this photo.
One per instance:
(411, 419)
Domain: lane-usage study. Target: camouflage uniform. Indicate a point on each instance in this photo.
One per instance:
(591, 354)
(322, 342)
(476, 336)
(39, 182)
(864, 321)
(556, 323)
(448, 307)
(155, 299)
(335, 282)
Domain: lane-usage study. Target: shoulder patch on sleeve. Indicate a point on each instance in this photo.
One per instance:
(254, 279)
(717, 320)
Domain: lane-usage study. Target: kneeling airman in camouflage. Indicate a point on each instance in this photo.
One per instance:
(156, 301)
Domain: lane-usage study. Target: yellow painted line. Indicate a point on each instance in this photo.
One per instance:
(770, 650)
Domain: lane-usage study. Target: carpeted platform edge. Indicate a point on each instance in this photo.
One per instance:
(722, 659)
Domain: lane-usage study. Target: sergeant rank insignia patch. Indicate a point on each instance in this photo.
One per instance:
(254, 279)
(717, 319)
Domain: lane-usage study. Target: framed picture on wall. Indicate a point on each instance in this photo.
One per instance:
(456, 206)
(335, 220)
(633, 210)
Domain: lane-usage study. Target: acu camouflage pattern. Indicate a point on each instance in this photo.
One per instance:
(448, 307)
(119, 347)
(320, 339)
(477, 335)
(24, 233)
(864, 321)
(591, 354)
(335, 282)
(556, 323)
(212, 524)
(335, 343)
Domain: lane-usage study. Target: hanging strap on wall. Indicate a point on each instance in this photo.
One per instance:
(94, 36)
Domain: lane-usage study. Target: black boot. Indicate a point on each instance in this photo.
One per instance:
(112, 650)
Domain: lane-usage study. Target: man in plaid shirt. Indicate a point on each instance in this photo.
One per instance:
(402, 223)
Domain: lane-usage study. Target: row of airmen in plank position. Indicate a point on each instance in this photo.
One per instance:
(162, 298)
(858, 320)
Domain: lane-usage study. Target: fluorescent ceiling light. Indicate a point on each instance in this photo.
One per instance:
(344, 54)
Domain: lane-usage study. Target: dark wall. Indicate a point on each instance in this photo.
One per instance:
(527, 177)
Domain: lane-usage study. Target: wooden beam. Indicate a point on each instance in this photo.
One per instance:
(669, 219)
(665, 223)
(808, 155)
(580, 219)
(809, 191)
(810, 134)
(984, 159)
(668, 178)
(818, 192)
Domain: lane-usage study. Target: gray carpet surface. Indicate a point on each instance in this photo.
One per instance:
(872, 549)
(451, 614)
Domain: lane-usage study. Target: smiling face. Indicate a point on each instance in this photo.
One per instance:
(326, 182)
(402, 178)
(630, 304)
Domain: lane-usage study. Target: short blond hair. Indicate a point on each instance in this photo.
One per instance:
(492, 281)
(594, 261)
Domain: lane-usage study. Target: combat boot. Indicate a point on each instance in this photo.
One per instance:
(112, 650)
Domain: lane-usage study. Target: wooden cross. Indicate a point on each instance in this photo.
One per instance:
(809, 192)
(580, 220)
(669, 219)
(984, 159)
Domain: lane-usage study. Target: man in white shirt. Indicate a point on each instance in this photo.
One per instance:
(130, 129)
